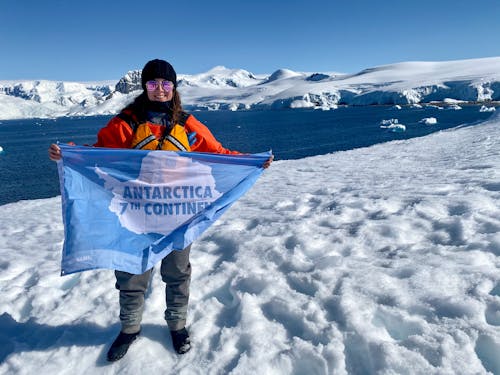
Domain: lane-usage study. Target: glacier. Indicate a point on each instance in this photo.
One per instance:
(221, 88)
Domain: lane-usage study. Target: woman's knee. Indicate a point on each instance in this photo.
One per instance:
(129, 282)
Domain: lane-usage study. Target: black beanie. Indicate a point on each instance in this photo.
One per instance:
(158, 69)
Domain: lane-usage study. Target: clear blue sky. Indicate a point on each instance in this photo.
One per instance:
(90, 40)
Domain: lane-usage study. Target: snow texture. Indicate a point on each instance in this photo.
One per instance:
(382, 260)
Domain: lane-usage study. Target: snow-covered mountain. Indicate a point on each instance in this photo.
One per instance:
(475, 80)
(220, 77)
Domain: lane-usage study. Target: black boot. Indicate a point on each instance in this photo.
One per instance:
(181, 341)
(120, 346)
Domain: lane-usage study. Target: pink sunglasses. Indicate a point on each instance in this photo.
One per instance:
(153, 85)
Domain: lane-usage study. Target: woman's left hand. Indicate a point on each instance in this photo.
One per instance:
(268, 162)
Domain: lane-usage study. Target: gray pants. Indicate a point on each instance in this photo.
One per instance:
(176, 273)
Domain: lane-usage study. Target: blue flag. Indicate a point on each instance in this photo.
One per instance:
(127, 209)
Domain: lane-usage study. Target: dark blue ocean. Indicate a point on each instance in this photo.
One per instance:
(27, 173)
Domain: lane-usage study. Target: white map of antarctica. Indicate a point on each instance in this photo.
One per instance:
(169, 190)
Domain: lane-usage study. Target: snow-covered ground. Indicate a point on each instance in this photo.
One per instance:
(377, 260)
(451, 82)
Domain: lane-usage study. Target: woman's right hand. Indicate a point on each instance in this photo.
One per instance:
(54, 152)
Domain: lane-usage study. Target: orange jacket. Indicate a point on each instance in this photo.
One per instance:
(118, 134)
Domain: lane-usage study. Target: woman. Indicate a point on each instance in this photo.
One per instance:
(155, 120)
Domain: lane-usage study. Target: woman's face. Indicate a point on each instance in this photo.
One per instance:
(157, 93)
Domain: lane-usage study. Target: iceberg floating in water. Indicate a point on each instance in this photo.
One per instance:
(428, 121)
(487, 109)
(392, 125)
